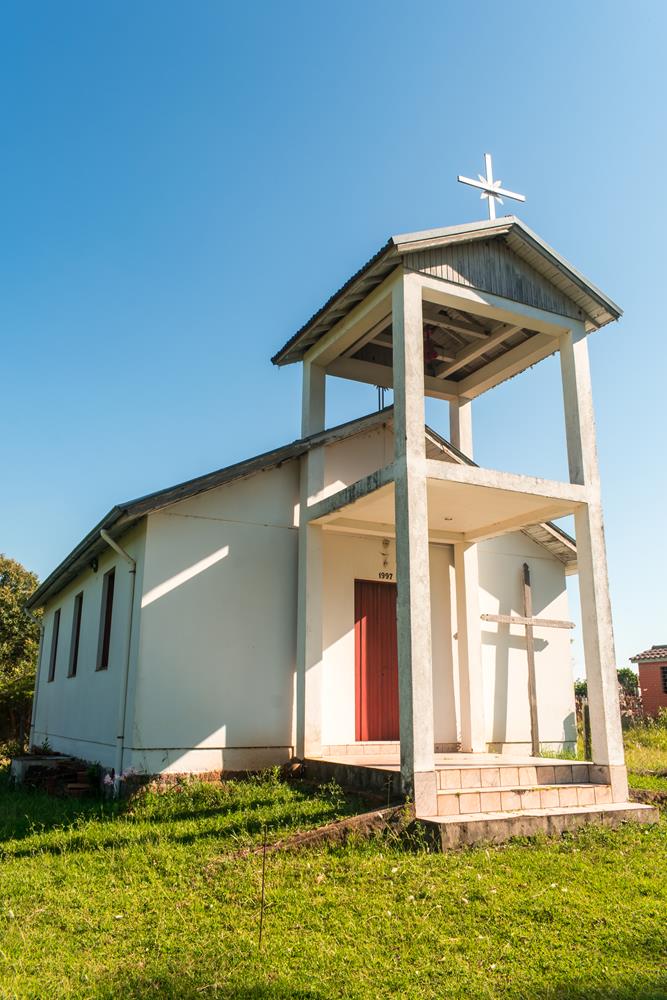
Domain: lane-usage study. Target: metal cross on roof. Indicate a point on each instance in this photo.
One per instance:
(491, 189)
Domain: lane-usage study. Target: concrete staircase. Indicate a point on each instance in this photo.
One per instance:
(491, 804)
(463, 791)
(489, 799)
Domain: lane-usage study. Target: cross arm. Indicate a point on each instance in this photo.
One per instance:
(521, 620)
(497, 192)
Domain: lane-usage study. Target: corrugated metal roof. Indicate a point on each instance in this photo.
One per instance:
(598, 307)
(125, 515)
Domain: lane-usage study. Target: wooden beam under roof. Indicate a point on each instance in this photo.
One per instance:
(537, 347)
(474, 351)
(447, 322)
(368, 337)
(440, 351)
(382, 375)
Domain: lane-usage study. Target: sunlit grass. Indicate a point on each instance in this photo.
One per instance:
(151, 899)
(646, 746)
(649, 782)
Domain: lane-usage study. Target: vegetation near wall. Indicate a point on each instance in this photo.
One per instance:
(19, 647)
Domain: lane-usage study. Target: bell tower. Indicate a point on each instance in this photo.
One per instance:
(451, 313)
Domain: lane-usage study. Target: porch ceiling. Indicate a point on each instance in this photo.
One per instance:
(456, 511)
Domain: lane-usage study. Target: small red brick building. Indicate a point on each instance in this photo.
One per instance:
(652, 664)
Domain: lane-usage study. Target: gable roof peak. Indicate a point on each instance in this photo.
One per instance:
(594, 307)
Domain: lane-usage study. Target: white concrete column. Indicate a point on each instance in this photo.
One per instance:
(469, 626)
(469, 632)
(415, 679)
(310, 575)
(313, 399)
(597, 629)
(460, 425)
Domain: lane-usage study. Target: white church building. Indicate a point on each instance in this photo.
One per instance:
(366, 590)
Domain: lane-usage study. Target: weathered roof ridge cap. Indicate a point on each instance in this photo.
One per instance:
(485, 226)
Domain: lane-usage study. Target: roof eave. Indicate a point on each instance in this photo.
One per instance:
(78, 558)
(282, 357)
(124, 516)
(404, 243)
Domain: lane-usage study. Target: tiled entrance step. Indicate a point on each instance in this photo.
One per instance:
(508, 788)
(379, 749)
(514, 776)
(465, 801)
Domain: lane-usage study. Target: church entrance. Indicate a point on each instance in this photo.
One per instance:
(376, 661)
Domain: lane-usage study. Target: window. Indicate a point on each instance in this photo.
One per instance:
(76, 632)
(54, 645)
(105, 620)
(663, 674)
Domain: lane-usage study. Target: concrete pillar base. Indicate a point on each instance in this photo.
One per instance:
(615, 775)
(425, 793)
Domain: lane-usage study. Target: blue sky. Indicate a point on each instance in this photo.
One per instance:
(184, 184)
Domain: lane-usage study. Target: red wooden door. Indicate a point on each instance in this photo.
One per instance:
(376, 657)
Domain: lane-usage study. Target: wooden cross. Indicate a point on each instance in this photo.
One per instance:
(529, 624)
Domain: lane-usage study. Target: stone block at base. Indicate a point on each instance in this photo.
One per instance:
(448, 832)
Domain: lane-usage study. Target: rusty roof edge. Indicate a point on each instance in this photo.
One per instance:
(279, 358)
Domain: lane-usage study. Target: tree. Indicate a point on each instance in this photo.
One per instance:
(19, 644)
(628, 680)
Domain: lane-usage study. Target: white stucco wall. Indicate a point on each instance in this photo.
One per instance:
(211, 684)
(79, 715)
(350, 460)
(504, 648)
(350, 557)
(215, 673)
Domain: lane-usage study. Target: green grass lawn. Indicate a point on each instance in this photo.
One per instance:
(646, 746)
(648, 782)
(148, 900)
